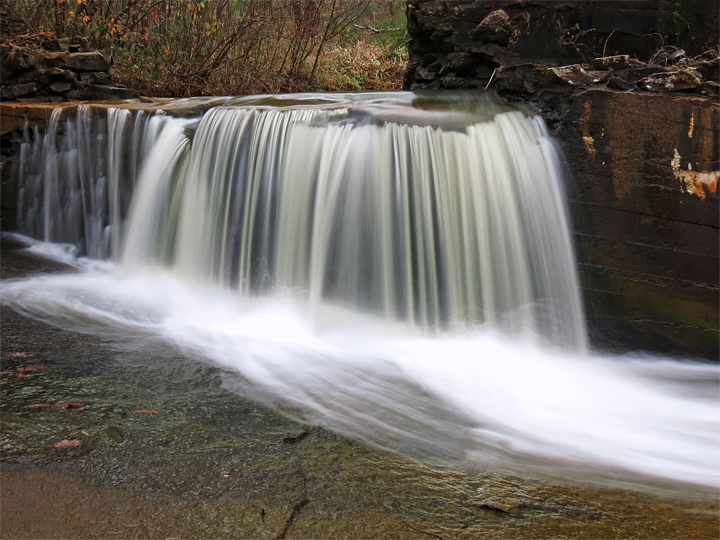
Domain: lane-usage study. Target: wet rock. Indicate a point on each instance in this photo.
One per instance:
(671, 81)
(88, 61)
(619, 61)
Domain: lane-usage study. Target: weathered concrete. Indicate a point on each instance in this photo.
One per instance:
(642, 156)
(644, 172)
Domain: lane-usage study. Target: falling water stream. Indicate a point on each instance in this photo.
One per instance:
(396, 267)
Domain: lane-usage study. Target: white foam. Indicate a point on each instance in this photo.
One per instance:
(473, 394)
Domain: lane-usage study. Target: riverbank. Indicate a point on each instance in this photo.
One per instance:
(174, 453)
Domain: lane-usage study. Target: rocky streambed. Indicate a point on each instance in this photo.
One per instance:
(110, 439)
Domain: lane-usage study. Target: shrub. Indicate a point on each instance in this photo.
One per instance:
(211, 47)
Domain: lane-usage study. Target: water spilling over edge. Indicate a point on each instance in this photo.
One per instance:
(306, 208)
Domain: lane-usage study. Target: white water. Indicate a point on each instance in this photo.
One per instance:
(298, 248)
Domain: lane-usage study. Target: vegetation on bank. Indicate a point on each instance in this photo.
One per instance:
(227, 47)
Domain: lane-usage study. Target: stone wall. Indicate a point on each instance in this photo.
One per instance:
(638, 126)
(460, 43)
(63, 70)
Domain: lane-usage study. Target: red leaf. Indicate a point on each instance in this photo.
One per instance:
(37, 405)
(70, 405)
(148, 411)
(21, 376)
(7, 372)
(30, 368)
(67, 443)
(21, 355)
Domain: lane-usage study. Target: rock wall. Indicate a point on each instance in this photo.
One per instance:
(63, 70)
(460, 43)
(630, 91)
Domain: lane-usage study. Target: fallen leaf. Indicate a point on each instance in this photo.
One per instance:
(37, 405)
(67, 443)
(85, 433)
(6, 372)
(30, 368)
(148, 411)
(21, 355)
(70, 405)
(21, 376)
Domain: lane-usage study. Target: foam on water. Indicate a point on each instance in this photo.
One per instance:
(474, 395)
(394, 268)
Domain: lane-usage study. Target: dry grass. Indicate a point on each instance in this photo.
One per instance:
(227, 47)
(362, 66)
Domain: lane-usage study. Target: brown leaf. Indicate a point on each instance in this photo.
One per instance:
(70, 405)
(67, 443)
(37, 405)
(148, 411)
(21, 355)
(30, 368)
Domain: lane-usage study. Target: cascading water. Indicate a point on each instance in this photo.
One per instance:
(391, 265)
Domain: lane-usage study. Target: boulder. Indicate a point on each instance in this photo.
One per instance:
(495, 28)
(671, 81)
(107, 92)
(61, 74)
(573, 75)
(18, 90)
(55, 59)
(87, 61)
(95, 77)
(60, 87)
(619, 61)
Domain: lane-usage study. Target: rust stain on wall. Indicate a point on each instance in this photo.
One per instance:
(584, 124)
(695, 182)
(692, 125)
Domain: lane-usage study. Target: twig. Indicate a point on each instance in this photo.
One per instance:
(490, 79)
(420, 531)
(608, 39)
(376, 30)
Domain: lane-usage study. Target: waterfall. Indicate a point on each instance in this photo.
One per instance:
(356, 202)
(396, 267)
